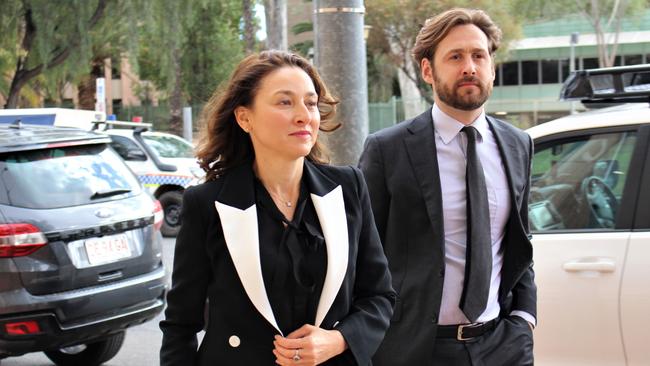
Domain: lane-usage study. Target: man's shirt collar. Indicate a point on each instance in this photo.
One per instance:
(447, 127)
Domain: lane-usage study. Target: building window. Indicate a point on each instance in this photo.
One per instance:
(497, 76)
(564, 69)
(115, 69)
(633, 59)
(550, 71)
(530, 72)
(510, 73)
(617, 61)
(590, 63)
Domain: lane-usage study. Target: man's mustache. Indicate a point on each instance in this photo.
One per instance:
(469, 79)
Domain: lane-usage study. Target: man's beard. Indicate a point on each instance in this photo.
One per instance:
(465, 102)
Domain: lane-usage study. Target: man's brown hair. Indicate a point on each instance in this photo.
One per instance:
(436, 29)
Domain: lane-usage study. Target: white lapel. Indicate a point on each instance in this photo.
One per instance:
(240, 231)
(331, 214)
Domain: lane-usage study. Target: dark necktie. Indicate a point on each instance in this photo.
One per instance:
(478, 256)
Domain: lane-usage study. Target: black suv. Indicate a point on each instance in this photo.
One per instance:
(80, 247)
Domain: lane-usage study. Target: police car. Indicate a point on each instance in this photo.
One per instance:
(163, 162)
(589, 213)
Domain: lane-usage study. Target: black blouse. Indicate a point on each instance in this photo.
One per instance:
(293, 258)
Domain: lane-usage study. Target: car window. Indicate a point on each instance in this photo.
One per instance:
(127, 149)
(65, 176)
(169, 146)
(578, 183)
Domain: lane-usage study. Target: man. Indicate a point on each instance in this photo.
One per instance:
(450, 203)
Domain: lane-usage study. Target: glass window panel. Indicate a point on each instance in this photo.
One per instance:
(550, 72)
(633, 59)
(497, 76)
(530, 72)
(510, 73)
(564, 65)
(578, 184)
(73, 176)
(167, 146)
(590, 63)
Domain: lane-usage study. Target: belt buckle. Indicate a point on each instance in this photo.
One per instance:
(459, 332)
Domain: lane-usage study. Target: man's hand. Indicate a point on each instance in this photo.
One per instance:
(311, 345)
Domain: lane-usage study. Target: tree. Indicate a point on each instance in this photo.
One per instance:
(187, 58)
(276, 24)
(249, 25)
(396, 23)
(212, 49)
(44, 35)
(605, 16)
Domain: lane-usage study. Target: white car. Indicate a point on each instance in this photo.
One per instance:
(590, 217)
(164, 163)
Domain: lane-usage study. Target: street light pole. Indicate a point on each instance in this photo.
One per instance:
(572, 62)
(340, 56)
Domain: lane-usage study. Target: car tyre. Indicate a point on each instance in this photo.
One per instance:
(171, 203)
(93, 354)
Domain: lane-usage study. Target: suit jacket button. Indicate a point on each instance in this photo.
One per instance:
(234, 341)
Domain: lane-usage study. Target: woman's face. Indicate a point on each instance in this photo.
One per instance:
(283, 120)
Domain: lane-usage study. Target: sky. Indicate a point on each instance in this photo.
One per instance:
(259, 14)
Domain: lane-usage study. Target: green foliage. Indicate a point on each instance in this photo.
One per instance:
(55, 41)
(302, 27)
(381, 78)
(207, 38)
(395, 24)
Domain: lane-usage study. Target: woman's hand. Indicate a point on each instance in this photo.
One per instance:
(308, 345)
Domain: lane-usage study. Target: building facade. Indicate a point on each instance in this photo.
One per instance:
(528, 83)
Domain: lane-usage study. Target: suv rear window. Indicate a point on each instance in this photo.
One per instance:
(64, 176)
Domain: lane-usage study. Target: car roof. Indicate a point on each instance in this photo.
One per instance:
(18, 137)
(620, 115)
(129, 132)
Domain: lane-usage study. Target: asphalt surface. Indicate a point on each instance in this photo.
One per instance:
(142, 342)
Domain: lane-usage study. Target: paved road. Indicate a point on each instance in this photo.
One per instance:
(140, 347)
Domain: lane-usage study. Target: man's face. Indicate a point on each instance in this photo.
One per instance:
(462, 72)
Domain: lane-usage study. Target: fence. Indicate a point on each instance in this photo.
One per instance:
(381, 115)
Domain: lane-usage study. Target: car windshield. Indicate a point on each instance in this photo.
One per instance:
(167, 146)
(64, 176)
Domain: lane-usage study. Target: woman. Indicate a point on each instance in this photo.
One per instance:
(283, 247)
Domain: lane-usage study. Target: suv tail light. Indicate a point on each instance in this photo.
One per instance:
(158, 215)
(22, 328)
(17, 240)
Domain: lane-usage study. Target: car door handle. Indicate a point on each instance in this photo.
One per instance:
(598, 264)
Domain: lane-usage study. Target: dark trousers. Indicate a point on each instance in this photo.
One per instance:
(510, 343)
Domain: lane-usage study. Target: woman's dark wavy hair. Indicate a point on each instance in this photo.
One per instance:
(223, 144)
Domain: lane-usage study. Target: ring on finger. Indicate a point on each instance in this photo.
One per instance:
(296, 356)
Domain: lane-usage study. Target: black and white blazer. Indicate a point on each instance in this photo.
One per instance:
(217, 258)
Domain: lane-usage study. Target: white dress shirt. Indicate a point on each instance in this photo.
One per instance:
(450, 148)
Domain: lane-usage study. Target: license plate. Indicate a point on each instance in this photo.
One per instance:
(107, 249)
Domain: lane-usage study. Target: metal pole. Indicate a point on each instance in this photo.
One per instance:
(340, 56)
(187, 123)
(572, 62)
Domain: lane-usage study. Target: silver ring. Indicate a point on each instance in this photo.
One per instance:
(296, 356)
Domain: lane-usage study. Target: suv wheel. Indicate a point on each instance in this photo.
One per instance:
(171, 203)
(91, 354)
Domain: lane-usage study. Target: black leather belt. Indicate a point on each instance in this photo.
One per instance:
(463, 332)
